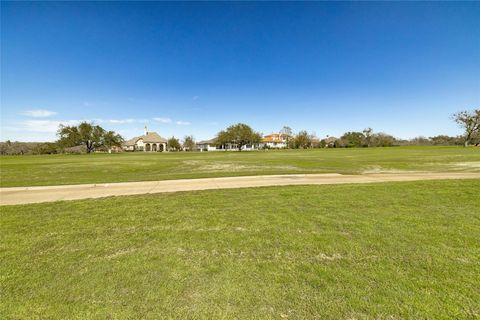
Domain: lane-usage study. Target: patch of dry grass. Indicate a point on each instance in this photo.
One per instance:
(104, 168)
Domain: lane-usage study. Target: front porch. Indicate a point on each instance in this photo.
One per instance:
(154, 147)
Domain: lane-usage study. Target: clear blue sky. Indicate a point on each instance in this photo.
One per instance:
(194, 68)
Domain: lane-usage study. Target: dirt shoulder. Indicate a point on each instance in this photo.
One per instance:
(24, 195)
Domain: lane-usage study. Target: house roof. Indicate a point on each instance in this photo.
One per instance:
(271, 140)
(131, 142)
(150, 137)
(330, 139)
(211, 141)
(279, 135)
(275, 137)
(153, 137)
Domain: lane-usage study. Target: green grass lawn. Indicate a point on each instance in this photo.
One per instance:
(98, 168)
(378, 251)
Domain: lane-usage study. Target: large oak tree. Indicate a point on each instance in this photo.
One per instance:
(238, 134)
(88, 134)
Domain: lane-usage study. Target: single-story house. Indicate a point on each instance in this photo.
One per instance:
(207, 145)
(210, 145)
(148, 142)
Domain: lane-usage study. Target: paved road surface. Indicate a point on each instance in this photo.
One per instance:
(22, 195)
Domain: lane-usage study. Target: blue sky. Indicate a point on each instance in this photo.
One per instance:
(194, 68)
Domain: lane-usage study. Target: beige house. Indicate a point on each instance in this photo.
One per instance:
(149, 142)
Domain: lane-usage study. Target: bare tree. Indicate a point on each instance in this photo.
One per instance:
(368, 136)
(286, 130)
(189, 143)
(302, 140)
(470, 122)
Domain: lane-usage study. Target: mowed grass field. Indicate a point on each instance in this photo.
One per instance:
(100, 168)
(405, 250)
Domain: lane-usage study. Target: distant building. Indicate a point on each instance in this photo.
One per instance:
(149, 142)
(276, 141)
(329, 142)
(210, 145)
(315, 142)
(207, 145)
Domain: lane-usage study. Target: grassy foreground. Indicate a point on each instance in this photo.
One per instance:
(392, 250)
(98, 168)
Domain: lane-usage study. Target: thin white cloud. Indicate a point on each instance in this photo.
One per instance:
(120, 121)
(39, 113)
(46, 130)
(44, 126)
(163, 120)
(50, 126)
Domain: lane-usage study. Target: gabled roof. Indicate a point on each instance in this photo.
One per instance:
(153, 137)
(150, 137)
(330, 139)
(211, 141)
(131, 142)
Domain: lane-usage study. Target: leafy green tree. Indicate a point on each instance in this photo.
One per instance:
(112, 139)
(87, 134)
(470, 122)
(352, 139)
(173, 144)
(302, 140)
(239, 134)
(189, 143)
(45, 148)
(444, 140)
(381, 140)
(69, 136)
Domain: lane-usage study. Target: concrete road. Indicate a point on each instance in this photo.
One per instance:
(23, 195)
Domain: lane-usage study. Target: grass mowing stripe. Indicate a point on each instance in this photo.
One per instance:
(102, 168)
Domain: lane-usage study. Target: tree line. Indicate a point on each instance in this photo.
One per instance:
(83, 138)
(87, 137)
